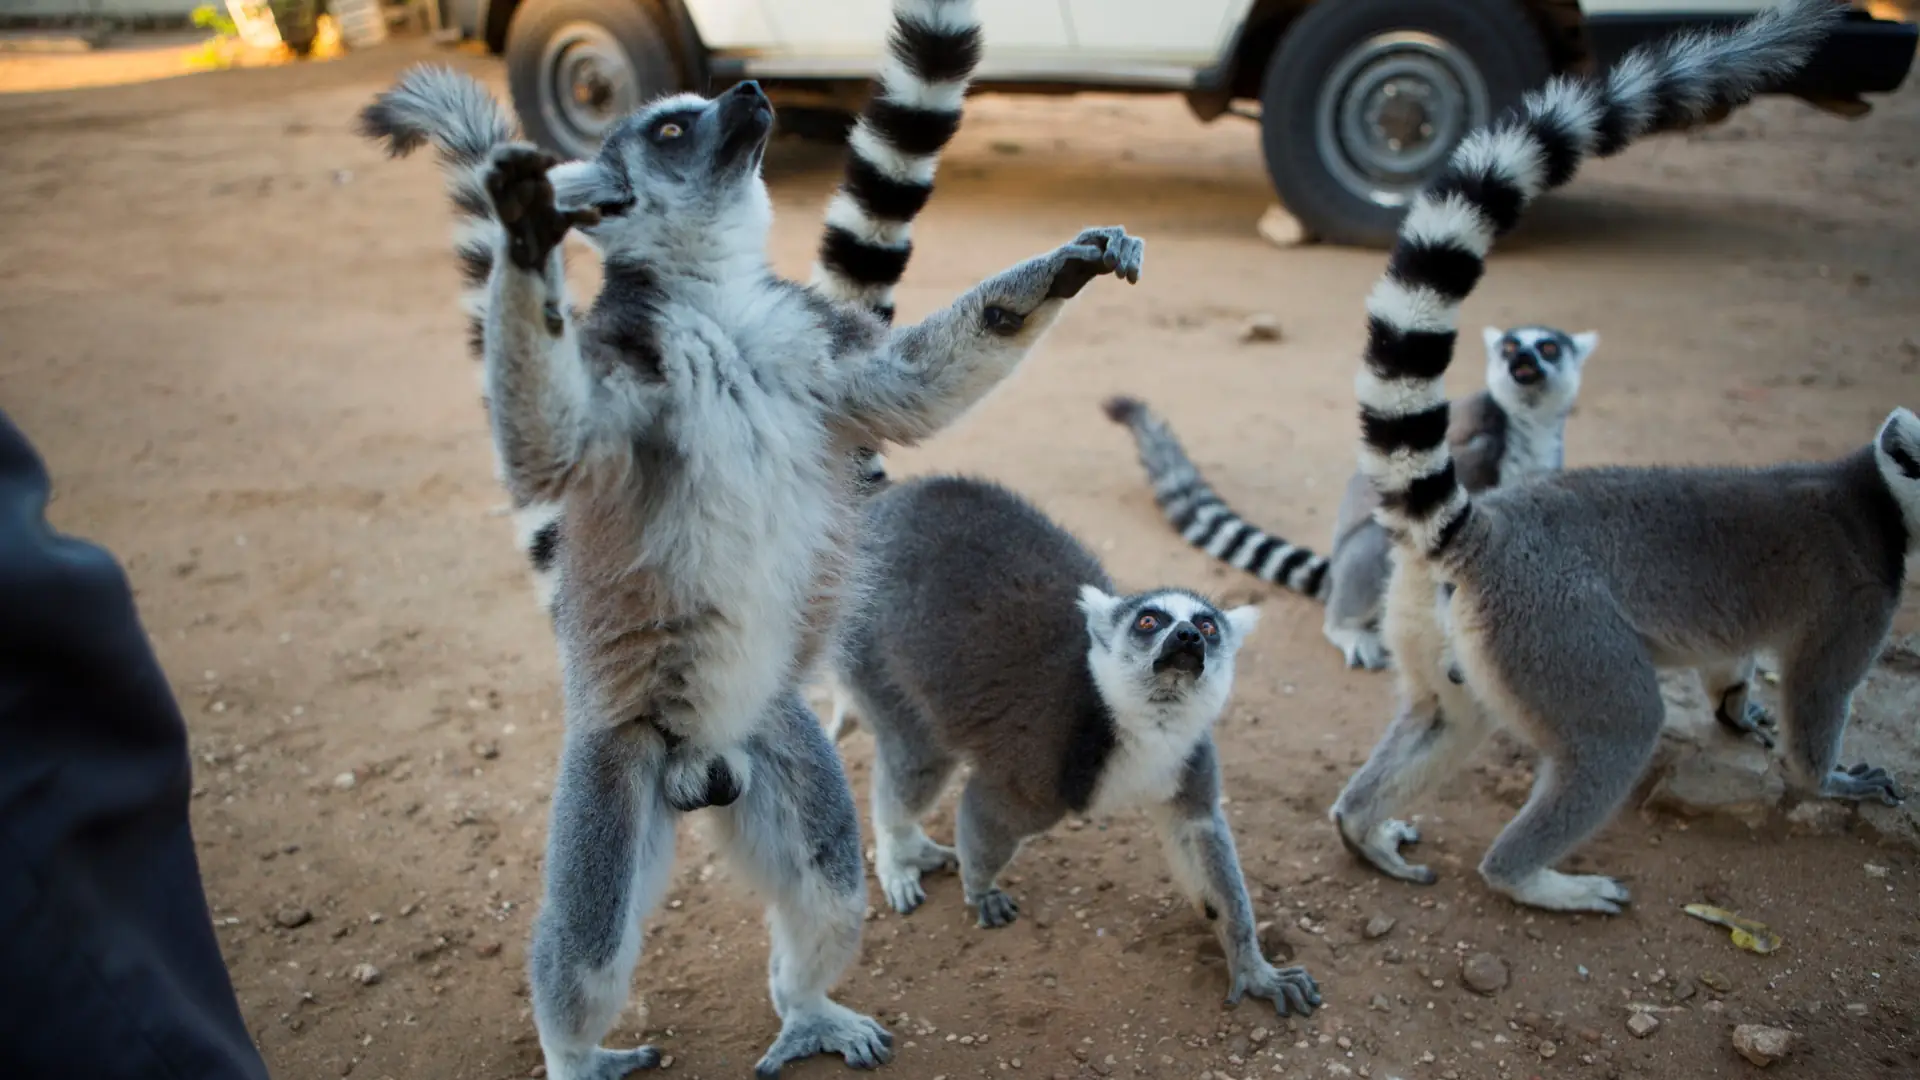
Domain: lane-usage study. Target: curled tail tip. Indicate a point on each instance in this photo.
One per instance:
(1122, 409)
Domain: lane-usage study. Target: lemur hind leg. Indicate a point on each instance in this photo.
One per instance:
(610, 849)
(1729, 687)
(795, 836)
(1201, 854)
(1596, 714)
(1817, 688)
(1429, 741)
(987, 844)
(909, 771)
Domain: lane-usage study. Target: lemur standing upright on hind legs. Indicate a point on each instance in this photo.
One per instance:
(1554, 603)
(1513, 430)
(697, 430)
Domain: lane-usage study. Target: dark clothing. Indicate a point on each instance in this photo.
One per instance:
(108, 963)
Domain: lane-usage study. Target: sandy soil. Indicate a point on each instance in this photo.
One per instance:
(230, 327)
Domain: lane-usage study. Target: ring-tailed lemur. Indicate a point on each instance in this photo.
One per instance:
(1560, 598)
(991, 637)
(894, 148)
(696, 427)
(1514, 429)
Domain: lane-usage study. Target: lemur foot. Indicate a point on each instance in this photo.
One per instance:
(1380, 848)
(1555, 891)
(1106, 250)
(1291, 990)
(1756, 723)
(1862, 782)
(603, 1064)
(899, 873)
(995, 908)
(695, 781)
(828, 1028)
(1362, 648)
(523, 201)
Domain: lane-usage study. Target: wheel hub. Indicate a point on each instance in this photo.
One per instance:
(1392, 109)
(587, 84)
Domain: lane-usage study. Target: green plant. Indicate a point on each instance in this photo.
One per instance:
(218, 50)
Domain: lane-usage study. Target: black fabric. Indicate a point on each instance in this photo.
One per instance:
(108, 963)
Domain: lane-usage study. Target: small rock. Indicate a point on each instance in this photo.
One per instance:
(537, 1072)
(366, 974)
(1875, 871)
(1857, 1008)
(486, 749)
(1591, 1035)
(292, 916)
(1642, 1024)
(1547, 1049)
(1715, 982)
(1760, 1044)
(1281, 229)
(1380, 1003)
(344, 782)
(1484, 973)
(1379, 926)
(487, 949)
(1823, 817)
(1260, 328)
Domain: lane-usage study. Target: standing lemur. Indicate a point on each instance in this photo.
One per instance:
(697, 429)
(1558, 599)
(1514, 429)
(993, 638)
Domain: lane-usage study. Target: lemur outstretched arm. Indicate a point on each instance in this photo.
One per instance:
(927, 374)
(538, 386)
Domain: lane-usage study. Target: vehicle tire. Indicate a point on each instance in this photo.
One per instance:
(1364, 100)
(576, 67)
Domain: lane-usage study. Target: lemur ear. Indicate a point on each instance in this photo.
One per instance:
(1098, 608)
(1899, 442)
(1583, 345)
(1492, 335)
(1243, 619)
(582, 185)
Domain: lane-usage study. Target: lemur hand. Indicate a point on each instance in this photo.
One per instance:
(1060, 275)
(1095, 252)
(523, 201)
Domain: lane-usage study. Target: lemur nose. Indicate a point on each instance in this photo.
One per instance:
(1185, 634)
(750, 86)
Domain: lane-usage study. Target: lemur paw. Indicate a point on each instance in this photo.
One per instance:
(1755, 722)
(1554, 891)
(696, 781)
(1095, 252)
(523, 201)
(995, 908)
(830, 1029)
(899, 873)
(1380, 848)
(1291, 990)
(604, 1064)
(1863, 782)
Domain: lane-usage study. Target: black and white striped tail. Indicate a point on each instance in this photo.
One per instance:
(1203, 518)
(893, 149)
(464, 122)
(1493, 176)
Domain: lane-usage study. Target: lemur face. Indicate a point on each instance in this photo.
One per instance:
(681, 174)
(1167, 643)
(1536, 368)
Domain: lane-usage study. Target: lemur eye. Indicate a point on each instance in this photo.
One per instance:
(669, 130)
(1509, 347)
(614, 208)
(1549, 350)
(1147, 622)
(1206, 626)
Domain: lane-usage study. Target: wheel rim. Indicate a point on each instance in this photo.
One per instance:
(587, 84)
(1392, 109)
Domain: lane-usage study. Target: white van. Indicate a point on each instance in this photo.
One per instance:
(1359, 101)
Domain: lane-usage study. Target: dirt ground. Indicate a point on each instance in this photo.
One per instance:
(230, 327)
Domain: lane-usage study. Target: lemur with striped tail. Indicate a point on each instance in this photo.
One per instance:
(697, 429)
(1513, 430)
(1559, 599)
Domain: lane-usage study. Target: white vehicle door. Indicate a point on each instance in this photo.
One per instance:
(821, 29)
(1182, 33)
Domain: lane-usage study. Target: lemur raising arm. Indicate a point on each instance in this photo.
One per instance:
(912, 113)
(1513, 430)
(1557, 601)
